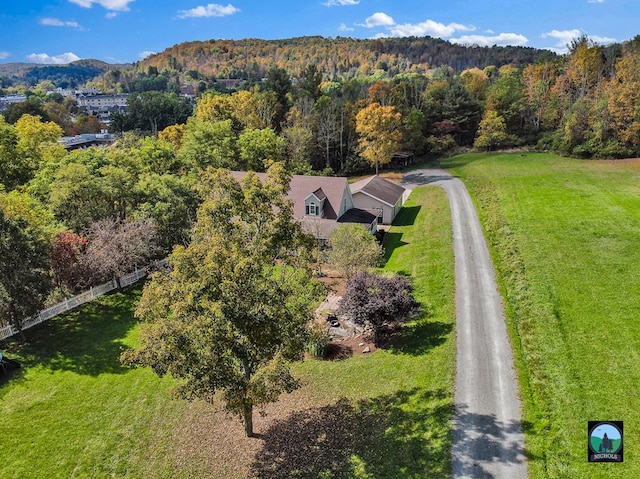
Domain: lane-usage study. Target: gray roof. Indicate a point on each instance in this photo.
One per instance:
(331, 188)
(379, 188)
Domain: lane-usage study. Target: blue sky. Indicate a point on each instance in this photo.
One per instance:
(124, 31)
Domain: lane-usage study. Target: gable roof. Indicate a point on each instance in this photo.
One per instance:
(329, 188)
(379, 188)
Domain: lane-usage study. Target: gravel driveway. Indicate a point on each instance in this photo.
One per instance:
(487, 432)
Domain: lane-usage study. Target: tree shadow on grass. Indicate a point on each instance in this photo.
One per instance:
(87, 340)
(418, 337)
(494, 442)
(406, 434)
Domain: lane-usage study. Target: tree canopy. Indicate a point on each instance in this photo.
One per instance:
(235, 306)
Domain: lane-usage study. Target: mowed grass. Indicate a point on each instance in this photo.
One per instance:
(74, 411)
(564, 234)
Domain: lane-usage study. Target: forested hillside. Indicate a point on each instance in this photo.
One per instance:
(338, 58)
(65, 76)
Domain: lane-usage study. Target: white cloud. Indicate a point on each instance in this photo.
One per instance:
(502, 39)
(119, 5)
(602, 40)
(111, 15)
(4, 55)
(53, 60)
(344, 28)
(595, 1)
(54, 22)
(565, 37)
(211, 10)
(145, 54)
(429, 27)
(333, 3)
(378, 19)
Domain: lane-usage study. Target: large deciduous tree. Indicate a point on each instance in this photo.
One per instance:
(235, 306)
(115, 247)
(380, 135)
(24, 271)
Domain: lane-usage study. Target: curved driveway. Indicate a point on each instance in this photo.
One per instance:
(487, 432)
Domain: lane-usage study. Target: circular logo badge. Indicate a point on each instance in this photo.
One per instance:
(605, 438)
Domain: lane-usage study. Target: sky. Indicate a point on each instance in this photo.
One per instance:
(126, 31)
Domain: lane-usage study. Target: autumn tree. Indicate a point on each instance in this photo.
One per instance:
(66, 260)
(298, 148)
(234, 308)
(624, 98)
(492, 132)
(380, 135)
(352, 248)
(115, 248)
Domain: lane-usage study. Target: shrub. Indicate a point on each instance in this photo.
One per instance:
(318, 342)
(376, 301)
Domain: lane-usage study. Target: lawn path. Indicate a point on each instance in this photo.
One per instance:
(487, 432)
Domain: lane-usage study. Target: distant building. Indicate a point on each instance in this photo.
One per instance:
(102, 101)
(86, 140)
(231, 82)
(188, 91)
(102, 105)
(5, 101)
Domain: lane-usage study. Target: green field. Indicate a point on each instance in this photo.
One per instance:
(564, 235)
(73, 411)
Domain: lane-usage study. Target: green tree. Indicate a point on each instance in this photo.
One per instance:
(310, 82)
(236, 304)
(153, 111)
(14, 170)
(506, 96)
(279, 82)
(380, 135)
(353, 249)
(210, 144)
(24, 272)
(258, 147)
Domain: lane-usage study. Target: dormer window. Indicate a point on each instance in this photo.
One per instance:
(312, 209)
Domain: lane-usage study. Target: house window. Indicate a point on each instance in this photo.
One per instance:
(312, 209)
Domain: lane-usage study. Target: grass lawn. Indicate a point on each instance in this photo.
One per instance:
(74, 411)
(564, 235)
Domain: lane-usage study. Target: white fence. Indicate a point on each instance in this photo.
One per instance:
(70, 303)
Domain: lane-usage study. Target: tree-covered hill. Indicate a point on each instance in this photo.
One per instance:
(338, 58)
(73, 74)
